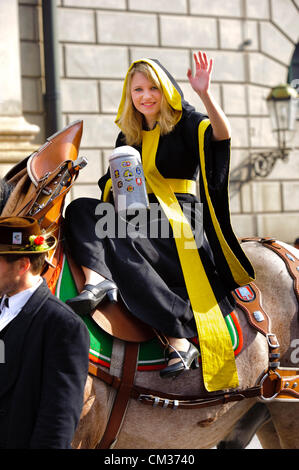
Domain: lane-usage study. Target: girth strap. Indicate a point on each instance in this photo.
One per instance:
(219, 399)
(122, 398)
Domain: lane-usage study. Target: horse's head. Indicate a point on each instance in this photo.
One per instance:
(5, 191)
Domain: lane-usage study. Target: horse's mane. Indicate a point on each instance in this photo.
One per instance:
(5, 191)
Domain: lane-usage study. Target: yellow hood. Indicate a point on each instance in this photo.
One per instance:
(169, 86)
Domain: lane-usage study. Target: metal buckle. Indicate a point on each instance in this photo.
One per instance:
(156, 400)
(261, 383)
(143, 397)
(271, 345)
(81, 162)
(175, 404)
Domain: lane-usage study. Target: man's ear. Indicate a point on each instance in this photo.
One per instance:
(23, 264)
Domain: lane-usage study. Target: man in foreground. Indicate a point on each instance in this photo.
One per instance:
(45, 344)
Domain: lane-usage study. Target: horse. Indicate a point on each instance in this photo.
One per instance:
(155, 428)
(215, 416)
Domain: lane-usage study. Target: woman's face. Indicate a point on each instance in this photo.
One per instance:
(146, 97)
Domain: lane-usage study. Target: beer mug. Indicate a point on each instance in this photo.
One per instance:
(128, 181)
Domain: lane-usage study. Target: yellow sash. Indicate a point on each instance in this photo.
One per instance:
(239, 273)
(218, 361)
(177, 186)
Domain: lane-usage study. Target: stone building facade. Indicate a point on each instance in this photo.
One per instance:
(251, 41)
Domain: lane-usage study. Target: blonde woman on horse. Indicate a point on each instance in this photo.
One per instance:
(180, 290)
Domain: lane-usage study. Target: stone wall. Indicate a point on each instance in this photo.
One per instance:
(251, 41)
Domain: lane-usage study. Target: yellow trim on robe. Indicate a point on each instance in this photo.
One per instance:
(240, 275)
(178, 186)
(218, 361)
(106, 192)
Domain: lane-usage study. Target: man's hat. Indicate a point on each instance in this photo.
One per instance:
(22, 235)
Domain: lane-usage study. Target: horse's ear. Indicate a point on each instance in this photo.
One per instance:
(16, 169)
(5, 191)
(58, 148)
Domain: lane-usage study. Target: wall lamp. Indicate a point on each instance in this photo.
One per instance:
(282, 103)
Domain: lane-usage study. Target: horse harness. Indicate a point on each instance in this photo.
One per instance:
(277, 383)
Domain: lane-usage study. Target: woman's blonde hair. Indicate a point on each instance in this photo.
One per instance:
(131, 120)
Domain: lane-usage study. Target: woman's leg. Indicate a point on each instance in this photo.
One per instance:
(179, 344)
(95, 289)
(92, 277)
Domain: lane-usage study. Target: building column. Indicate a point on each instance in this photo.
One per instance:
(15, 132)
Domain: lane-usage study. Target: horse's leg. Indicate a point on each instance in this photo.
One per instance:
(245, 428)
(93, 418)
(285, 417)
(268, 436)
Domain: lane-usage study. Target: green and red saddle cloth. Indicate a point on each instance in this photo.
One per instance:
(151, 353)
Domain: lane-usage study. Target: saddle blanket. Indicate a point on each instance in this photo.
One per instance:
(151, 353)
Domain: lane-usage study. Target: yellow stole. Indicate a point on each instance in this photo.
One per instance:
(218, 361)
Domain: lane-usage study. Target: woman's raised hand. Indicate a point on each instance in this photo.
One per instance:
(203, 68)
